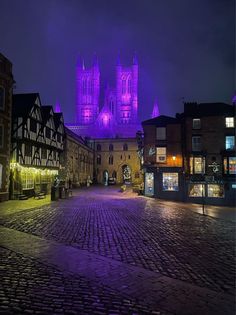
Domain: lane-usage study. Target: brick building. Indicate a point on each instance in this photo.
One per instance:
(6, 86)
(209, 149)
(163, 162)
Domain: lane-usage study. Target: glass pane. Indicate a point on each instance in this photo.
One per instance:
(215, 191)
(149, 184)
(170, 182)
(232, 165)
(196, 190)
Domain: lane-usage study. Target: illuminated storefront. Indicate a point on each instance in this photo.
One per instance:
(170, 181)
(149, 184)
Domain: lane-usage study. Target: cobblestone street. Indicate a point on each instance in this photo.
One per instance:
(104, 252)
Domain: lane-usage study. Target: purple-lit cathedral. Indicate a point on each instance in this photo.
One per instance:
(118, 115)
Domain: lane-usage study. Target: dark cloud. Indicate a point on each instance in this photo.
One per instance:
(185, 48)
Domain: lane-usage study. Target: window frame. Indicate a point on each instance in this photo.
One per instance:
(196, 126)
(228, 124)
(230, 148)
(198, 147)
(162, 134)
(161, 155)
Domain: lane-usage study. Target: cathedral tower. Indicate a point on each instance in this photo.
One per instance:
(127, 92)
(88, 89)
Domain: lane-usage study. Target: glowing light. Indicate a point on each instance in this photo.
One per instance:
(18, 167)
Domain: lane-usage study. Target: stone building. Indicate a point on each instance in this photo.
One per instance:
(163, 160)
(77, 160)
(117, 161)
(6, 86)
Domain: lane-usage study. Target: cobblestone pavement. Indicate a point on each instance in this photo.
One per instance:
(175, 243)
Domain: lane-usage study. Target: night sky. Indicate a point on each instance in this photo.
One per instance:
(185, 47)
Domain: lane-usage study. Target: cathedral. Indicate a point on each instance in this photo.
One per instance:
(116, 116)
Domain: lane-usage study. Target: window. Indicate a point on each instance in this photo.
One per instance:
(28, 150)
(196, 123)
(229, 122)
(84, 86)
(2, 97)
(33, 125)
(44, 153)
(99, 147)
(110, 147)
(99, 159)
(27, 180)
(196, 190)
(149, 184)
(125, 147)
(229, 142)
(48, 132)
(161, 155)
(170, 182)
(129, 157)
(123, 83)
(197, 165)
(111, 160)
(129, 86)
(1, 136)
(196, 143)
(215, 191)
(161, 133)
(230, 165)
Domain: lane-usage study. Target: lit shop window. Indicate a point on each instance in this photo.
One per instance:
(229, 122)
(197, 165)
(196, 190)
(149, 184)
(170, 182)
(161, 155)
(230, 165)
(215, 191)
(229, 142)
(196, 123)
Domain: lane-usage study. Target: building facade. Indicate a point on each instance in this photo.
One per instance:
(37, 145)
(192, 157)
(77, 160)
(163, 159)
(210, 155)
(117, 114)
(116, 160)
(6, 87)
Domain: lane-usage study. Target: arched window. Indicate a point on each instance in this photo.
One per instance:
(112, 106)
(114, 174)
(89, 86)
(111, 159)
(125, 147)
(129, 86)
(123, 86)
(99, 159)
(110, 147)
(99, 147)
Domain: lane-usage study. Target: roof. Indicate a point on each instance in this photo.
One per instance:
(22, 103)
(208, 109)
(45, 110)
(57, 119)
(74, 135)
(160, 121)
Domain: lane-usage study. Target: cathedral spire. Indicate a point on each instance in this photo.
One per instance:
(155, 111)
(57, 107)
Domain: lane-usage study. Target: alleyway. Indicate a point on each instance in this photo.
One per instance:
(104, 252)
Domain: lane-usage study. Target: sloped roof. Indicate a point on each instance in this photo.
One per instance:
(160, 121)
(46, 112)
(57, 119)
(74, 135)
(23, 103)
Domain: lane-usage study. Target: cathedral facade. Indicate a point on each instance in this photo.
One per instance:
(116, 116)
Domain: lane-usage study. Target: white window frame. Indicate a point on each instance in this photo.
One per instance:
(160, 156)
(196, 123)
(229, 122)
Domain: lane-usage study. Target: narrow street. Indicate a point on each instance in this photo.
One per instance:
(107, 252)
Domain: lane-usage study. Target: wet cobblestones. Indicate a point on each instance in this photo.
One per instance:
(175, 242)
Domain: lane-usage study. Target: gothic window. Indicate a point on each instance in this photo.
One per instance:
(84, 86)
(110, 160)
(129, 86)
(89, 86)
(125, 147)
(112, 106)
(99, 147)
(99, 159)
(123, 86)
(114, 174)
(111, 147)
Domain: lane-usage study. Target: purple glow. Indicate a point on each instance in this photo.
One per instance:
(120, 104)
(57, 108)
(155, 111)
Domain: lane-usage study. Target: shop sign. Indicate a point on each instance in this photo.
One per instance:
(215, 167)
